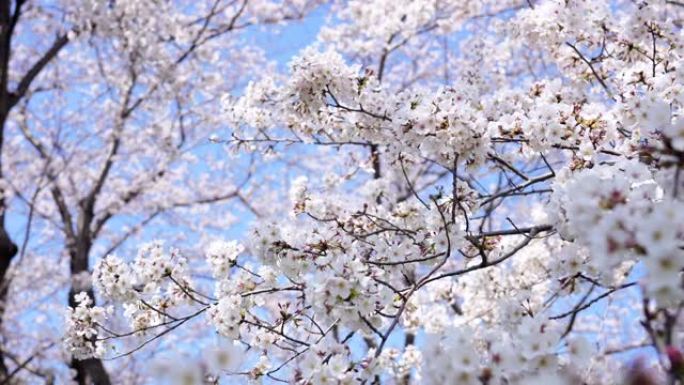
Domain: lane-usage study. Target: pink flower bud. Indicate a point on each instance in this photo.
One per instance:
(676, 358)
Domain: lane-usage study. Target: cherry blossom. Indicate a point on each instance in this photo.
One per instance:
(485, 192)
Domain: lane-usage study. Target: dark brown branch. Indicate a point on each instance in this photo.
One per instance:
(25, 82)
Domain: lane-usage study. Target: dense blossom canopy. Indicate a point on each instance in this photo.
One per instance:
(432, 192)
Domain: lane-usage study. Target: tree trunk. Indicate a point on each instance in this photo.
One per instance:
(90, 371)
(7, 251)
(7, 248)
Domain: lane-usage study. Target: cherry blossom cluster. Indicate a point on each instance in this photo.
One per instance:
(619, 213)
(82, 324)
(521, 222)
